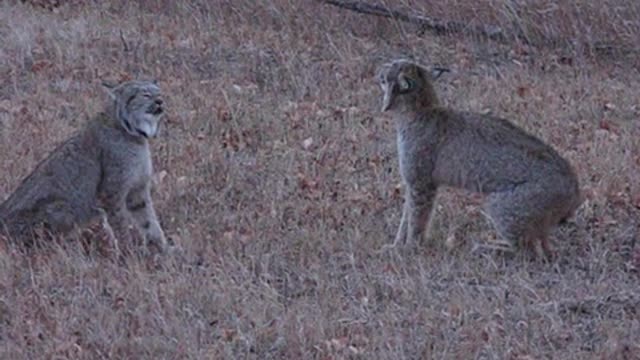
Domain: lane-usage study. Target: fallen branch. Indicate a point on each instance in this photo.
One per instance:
(627, 301)
(424, 22)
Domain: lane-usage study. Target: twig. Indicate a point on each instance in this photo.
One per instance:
(424, 22)
(593, 305)
(492, 32)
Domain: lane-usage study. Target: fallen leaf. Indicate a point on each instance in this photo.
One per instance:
(41, 65)
(522, 91)
(229, 334)
(604, 124)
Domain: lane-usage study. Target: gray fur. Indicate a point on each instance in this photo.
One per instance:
(530, 187)
(104, 168)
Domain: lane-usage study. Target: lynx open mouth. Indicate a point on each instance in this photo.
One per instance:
(157, 111)
(142, 133)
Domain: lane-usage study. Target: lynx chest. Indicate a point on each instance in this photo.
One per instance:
(416, 151)
(126, 165)
(137, 165)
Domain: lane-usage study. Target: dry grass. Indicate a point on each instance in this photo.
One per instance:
(278, 178)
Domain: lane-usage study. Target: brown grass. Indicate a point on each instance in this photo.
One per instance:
(277, 176)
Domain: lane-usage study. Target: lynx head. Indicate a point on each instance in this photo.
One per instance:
(407, 86)
(137, 107)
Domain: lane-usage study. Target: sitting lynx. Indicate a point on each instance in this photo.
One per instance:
(103, 171)
(529, 187)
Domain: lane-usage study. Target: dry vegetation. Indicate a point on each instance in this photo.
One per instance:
(277, 176)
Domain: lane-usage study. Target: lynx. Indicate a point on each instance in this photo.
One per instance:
(528, 185)
(103, 171)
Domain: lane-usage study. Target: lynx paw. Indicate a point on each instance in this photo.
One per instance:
(155, 237)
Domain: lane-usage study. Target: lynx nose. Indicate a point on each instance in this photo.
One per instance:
(159, 102)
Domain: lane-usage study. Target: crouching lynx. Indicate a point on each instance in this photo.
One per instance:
(103, 171)
(529, 186)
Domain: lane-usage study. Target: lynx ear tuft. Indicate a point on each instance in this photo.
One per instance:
(110, 87)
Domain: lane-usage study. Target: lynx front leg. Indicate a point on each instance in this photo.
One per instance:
(419, 206)
(113, 204)
(111, 247)
(120, 224)
(401, 235)
(140, 206)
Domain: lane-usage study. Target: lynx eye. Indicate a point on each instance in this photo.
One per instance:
(405, 85)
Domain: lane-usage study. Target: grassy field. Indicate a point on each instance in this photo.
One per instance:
(277, 179)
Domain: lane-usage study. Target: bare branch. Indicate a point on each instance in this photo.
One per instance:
(424, 22)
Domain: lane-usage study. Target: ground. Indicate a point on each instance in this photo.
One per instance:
(276, 178)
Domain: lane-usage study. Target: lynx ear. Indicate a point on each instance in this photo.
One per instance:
(110, 88)
(437, 71)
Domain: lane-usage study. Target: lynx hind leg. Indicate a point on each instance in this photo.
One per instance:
(508, 213)
(61, 217)
(536, 239)
(57, 217)
(521, 217)
(140, 205)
